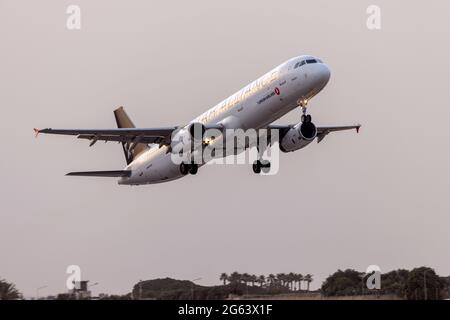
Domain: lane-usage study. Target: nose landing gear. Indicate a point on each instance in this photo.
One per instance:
(305, 117)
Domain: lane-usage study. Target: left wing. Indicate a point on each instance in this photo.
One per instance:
(321, 131)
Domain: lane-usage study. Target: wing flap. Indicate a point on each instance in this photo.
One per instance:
(116, 138)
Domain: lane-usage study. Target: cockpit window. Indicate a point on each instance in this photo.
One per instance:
(299, 64)
(309, 61)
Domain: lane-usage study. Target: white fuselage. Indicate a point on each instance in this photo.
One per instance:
(255, 106)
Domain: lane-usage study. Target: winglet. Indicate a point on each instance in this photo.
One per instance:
(36, 132)
(357, 128)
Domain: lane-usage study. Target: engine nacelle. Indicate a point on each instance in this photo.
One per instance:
(187, 139)
(299, 136)
(192, 133)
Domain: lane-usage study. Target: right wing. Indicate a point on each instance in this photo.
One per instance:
(131, 135)
(116, 173)
(128, 135)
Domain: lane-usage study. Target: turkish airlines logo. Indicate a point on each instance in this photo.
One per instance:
(270, 95)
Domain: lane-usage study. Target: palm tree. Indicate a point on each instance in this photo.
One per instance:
(308, 278)
(8, 291)
(246, 278)
(300, 278)
(224, 278)
(281, 278)
(261, 280)
(235, 277)
(291, 280)
(271, 277)
(253, 278)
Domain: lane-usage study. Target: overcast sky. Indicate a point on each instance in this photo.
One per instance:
(379, 197)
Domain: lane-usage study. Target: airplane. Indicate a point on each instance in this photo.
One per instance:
(148, 151)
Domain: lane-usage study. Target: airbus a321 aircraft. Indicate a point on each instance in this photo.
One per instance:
(148, 150)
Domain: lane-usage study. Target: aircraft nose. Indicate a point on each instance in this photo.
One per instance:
(324, 74)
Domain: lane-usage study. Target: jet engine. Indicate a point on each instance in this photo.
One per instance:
(192, 133)
(298, 137)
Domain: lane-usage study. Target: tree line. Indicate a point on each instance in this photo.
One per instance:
(418, 284)
(291, 281)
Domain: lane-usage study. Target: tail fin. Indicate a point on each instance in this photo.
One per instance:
(131, 150)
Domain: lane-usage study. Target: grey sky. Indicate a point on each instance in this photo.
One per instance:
(380, 197)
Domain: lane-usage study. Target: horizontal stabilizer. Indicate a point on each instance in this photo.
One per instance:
(116, 173)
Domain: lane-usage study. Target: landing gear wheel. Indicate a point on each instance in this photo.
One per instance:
(265, 165)
(184, 168)
(257, 167)
(193, 169)
(306, 118)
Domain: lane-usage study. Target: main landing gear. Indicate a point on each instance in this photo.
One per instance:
(259, 165)
(186, 168)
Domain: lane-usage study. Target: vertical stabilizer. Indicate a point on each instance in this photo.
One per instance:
(131, 149)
